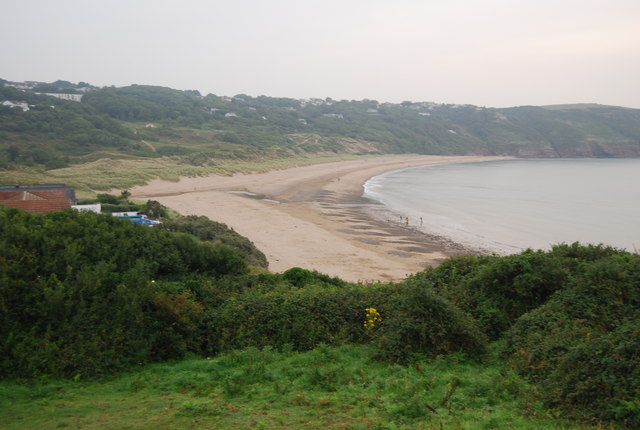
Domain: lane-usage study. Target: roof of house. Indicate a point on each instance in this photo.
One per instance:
(37, 198)
(33, 195)
(38, 206)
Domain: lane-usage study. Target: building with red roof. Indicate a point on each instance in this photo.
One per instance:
(38, 198)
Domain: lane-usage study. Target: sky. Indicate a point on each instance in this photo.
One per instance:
(493, 53)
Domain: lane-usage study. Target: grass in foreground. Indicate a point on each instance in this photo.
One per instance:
(327, 388)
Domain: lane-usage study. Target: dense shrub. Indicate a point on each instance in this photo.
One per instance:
(84, 294)
(496, 291)
(301, 309)
(77, 292)
(600, 377)
(570, 316)
(154, 210)
(579, 253)
(416, 322)
(509, 286)
(301, 277)
(297, 318)
(108, 199)
(216, 232)
(597, 300)
(583, 344)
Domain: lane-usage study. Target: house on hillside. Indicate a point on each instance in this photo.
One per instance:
(38, 198)
(22, 105)
(70, 97)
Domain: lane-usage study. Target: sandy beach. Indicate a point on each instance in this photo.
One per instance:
(315, 217)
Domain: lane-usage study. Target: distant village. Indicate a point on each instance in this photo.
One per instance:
(80, 89)
(30, 85)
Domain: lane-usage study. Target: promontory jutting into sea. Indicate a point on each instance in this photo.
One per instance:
(507, 206)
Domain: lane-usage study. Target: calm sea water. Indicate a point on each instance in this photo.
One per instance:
(507, 206)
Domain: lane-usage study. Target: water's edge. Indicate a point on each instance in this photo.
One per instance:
(510, 205)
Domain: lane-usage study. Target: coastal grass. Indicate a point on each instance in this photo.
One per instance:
(120, 173)
(342, 387)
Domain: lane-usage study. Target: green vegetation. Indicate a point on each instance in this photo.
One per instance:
(106, 173)
(198, 135)
(54, 133)
(110, 203)
(207, 230)
(82, 294)
(479, 340)
(569, 318)
(326, 388)
(199, 226)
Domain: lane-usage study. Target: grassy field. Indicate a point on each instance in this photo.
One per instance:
(120, 173)
(327, 388)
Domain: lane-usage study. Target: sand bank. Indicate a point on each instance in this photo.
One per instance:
(314, 216)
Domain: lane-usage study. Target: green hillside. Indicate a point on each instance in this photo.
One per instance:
(151, 122)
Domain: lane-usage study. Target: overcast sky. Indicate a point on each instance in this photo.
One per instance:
(493, 53)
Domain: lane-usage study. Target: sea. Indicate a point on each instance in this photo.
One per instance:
(507, 206)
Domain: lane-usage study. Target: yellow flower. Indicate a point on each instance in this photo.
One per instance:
(372, 316)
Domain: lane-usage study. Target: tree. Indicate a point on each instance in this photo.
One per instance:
(108, 199)
(154, 209)
(124, 195)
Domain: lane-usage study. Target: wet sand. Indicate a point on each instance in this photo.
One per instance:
(315, 217)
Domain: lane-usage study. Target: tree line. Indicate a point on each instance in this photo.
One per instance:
(56, 132)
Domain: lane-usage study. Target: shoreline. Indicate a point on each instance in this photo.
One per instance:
(316, 217)
(396, 216)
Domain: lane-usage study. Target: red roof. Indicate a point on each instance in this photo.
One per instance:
(38, 206)
(33, 195)
(33, 199)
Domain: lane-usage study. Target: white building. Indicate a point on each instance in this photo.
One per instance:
(22, 105)
(72, 97)
(97, 208)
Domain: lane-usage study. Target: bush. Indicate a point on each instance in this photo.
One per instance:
(600, 377)
(77, 292)
(301, 277)
(416, 322)
(583, 345)
(108, 208)
(296, 318)
(108, 199)
(154, 210)
(596, 301)
(496, 291)
(205, 229)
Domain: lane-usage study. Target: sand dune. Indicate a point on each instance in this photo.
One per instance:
(314, 217)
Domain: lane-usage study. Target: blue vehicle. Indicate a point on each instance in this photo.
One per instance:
(137, 219)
